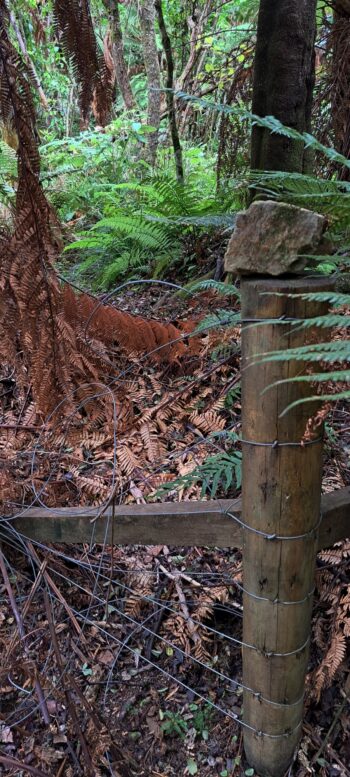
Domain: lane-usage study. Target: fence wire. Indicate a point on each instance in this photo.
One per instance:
(107, 576)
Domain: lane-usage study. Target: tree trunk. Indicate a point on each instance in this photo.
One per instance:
(284, 76)
(150, 56)
(30, 64)
(341, 80)
(196, 24)
(170, 93)
(121, 69)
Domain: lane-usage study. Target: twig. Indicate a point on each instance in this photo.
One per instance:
(12, 763)
(333, 725)
(60, 596)
(60, 771)
(28, 603)
(22, 427)
(67, 691)
(175, 576)
(21, 631)
(101, 727)
(182, 599)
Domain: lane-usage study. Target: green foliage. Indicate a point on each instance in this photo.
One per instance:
(145, 227)
(223, 289)
(270, 123)
(8, 174)
(329, 353)
(198, 717)
(173, 724)
(218, 472)
(221, 318)
(323, 195)
(202, 716)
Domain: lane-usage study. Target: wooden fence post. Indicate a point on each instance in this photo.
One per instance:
(281, 496)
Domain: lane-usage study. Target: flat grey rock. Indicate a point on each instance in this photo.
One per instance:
(270, 237)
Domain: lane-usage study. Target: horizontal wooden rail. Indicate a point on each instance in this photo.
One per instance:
(170, 523)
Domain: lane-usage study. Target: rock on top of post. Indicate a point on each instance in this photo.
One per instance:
(270, 237)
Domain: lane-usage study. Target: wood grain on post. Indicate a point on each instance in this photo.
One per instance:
(281, 496)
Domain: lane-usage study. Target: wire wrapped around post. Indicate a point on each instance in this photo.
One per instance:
(281, 499)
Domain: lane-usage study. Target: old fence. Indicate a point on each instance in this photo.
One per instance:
(281, 521)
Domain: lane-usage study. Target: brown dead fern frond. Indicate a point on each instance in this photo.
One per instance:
(332, 630)
(92, 70)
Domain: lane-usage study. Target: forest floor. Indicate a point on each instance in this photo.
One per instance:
(129, 661)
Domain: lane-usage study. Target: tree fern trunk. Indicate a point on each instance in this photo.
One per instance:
(284, 74)
(150, 56)
(341, 80)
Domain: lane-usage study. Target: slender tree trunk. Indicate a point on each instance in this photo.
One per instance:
(284, 76)
(341, 80)
(170, 93)
(121, 69)
(30, 64)
(196, 26)
(150, 56)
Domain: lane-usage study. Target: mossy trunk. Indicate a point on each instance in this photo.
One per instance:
(121, 68)
(146, 10)
(284, 76)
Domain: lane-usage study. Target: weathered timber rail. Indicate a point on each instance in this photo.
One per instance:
(170, 523)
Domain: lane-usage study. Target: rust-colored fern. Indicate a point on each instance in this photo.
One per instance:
(94, 72)
(61, 344)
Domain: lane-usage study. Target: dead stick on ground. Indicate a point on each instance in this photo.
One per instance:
(67, 691)
(26, 607)
(56, 591)
(175, 576)
(192, 628)
(337, 715)
(12, 763)
(21, 631)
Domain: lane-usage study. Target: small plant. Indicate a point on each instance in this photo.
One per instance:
(201, 719)
(173, 724)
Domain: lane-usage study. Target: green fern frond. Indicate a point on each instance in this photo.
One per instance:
(333, 297)
(225, 289)
(331, 352)
(218, 471)
(132, 228)
(268, 122)
(335, 376)
(326, 322)
(219, 221)
(325, 398)
(221, 318)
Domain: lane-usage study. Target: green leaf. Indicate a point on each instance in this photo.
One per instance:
(192, 767)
